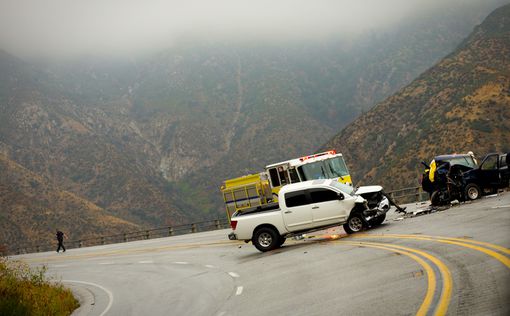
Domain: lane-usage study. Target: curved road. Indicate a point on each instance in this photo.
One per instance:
(454, 262)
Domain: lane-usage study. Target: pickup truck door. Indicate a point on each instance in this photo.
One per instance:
(328, 207)
(297, 214)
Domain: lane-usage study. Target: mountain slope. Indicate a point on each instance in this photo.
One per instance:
(31, 209)
(461, 104)
(95, 151)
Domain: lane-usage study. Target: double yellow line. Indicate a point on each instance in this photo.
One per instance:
(418, 255)
(467, 243)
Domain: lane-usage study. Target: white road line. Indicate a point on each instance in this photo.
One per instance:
(239, 290)
(60, 266)
(105, 263)
(210, 266)
(233, 274)
(146, 261)
(110, 294)
(181, 262)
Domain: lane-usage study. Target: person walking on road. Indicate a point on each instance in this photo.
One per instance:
(60, 238)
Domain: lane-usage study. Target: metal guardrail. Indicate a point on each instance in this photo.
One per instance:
(159, 232)
(409, 195)
(405, 195)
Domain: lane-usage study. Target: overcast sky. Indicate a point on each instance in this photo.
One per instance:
(66, 27)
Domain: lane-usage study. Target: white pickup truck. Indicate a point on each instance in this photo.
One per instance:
(307, 206)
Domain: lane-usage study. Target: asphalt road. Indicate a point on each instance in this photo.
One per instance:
(454, 262)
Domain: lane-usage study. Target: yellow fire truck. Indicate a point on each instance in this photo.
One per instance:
(262, 188)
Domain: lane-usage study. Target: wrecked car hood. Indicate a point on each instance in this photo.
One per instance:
(368, 189)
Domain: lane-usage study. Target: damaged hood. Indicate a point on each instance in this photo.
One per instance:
(368, 189)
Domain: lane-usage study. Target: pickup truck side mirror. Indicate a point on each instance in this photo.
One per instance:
(340, 196)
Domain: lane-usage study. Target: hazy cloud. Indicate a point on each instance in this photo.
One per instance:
(55, 27)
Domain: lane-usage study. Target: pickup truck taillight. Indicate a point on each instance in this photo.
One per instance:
(233, 224)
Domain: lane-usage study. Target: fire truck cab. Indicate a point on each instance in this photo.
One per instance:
(325, 165)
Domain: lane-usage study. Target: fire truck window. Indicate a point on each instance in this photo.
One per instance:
(284, 177)
(274, 177)
(301, 174)
(293, 176)
(293, 199)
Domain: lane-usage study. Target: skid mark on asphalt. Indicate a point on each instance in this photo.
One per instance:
(466, 243)
(501, 206)
(234, 275)
(437, 297)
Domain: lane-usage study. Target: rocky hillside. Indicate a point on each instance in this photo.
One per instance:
(96, 151)
(32, 209)
(461, 104)
(149, 141)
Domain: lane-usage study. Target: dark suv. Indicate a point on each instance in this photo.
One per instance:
(443, 179)
(458, 177)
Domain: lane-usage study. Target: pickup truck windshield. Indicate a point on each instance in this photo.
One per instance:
(343, 187)
(325, 169)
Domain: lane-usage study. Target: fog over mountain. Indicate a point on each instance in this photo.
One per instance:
(70, 28)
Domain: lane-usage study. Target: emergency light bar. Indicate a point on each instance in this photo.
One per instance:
(329, 152)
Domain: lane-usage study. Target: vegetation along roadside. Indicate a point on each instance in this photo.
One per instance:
(27, 291)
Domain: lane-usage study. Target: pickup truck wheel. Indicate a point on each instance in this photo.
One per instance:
(266, 239)
(354, 224)
(472, 191)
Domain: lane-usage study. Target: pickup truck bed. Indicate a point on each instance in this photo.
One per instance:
(258, 209)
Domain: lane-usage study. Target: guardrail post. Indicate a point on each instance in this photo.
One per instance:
(102, 240)
(147, 234)
(421, 195)
(193, 228)
(79, 243)
(217, 223)
(170, 231)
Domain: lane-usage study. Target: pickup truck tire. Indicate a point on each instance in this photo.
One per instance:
(266, 238)
(354, 224)
(473, 191)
